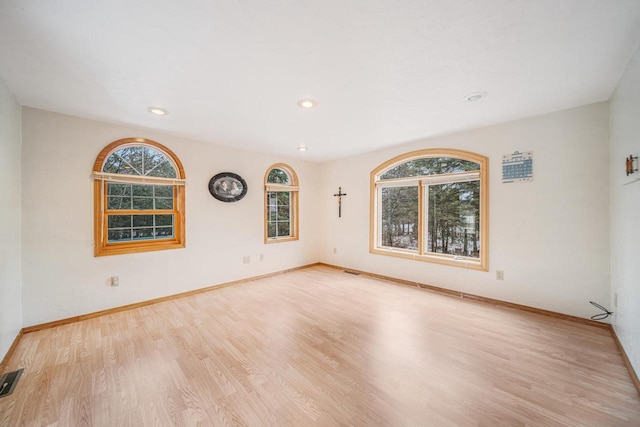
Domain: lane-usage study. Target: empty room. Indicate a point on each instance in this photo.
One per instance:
(320, 213)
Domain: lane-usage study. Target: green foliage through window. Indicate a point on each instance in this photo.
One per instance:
(454, 219)
(400, 217)
(278, 176)
(125, 196)
(430, 166)
(123, 228)
(139, 226)
(139, 160)
(432, 205)
(138, 198)
(278, 214)
(281, 198)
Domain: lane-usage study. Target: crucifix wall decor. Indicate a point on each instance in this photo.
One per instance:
(339, 195)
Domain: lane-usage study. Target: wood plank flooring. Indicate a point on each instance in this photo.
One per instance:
(319, 347)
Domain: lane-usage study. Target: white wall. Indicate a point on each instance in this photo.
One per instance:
(10, 219)
(550, 236)
(62, 278)
(625, 210)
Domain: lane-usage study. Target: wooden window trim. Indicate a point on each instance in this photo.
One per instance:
(419, 255)
(101, 245)
(294, 189)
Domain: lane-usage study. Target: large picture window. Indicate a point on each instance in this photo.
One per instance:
(138, 198)
(281, 204)
(431, 205)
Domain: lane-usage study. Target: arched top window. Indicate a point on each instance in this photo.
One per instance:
(139, 157)
(140, 160)
(432, 205)
(138, 198)
(280, 174)
(281, 204)
(425, 166)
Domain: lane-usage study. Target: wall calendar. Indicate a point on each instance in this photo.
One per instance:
(517, 167)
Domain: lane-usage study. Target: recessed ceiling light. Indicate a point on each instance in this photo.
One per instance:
(302, 148)
(157, 111)
(475, 96)
(307, 103)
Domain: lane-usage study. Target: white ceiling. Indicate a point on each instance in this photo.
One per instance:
(383, 71)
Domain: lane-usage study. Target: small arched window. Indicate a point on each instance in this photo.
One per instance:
(281, 204)
(432, 205)
(138, 198)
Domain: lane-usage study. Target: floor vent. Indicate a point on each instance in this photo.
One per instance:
(355, 273)
(8, 382)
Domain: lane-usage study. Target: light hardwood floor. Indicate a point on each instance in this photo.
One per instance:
(321, 347)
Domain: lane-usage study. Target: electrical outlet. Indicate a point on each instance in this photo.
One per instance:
(261, 257)
(246, 259)
(115, 281)
(499, 275)
(615, 299)
(335, 250)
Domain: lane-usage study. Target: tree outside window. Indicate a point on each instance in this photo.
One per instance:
(138, 198)
(281, 204)
(431, 205)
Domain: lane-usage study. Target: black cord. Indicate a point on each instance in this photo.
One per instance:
(600, 316)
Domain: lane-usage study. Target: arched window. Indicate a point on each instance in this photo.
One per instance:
(138, 198)
(432, 205)
(281, 204)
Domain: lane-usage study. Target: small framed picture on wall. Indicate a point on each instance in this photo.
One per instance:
(228, 187)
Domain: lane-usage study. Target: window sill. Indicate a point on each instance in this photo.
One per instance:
(279, 239)
(457, 261)
(130, 248)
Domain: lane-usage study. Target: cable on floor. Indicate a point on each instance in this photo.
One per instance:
(600, 316)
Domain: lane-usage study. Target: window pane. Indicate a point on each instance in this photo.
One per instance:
(119, 196)
(271, 229)
(143, 233)
(399, 213)
(117, 189)
(142, 203)
(164, 232)
(139, 227)
(139, 160)
(115, 203)
(118, 221)
(164, 191)
(164, 220)
(283, 213)
(430, 166)
(164, 170)
(156, 164)
(272, 213)
(119, 235)
(283, 229)
(152, 160)
(453, 219)
(278, 214)
(164, 203)
(125, 161)
(142, 190)
(283, 197)
(142, 220)
(278, 176)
